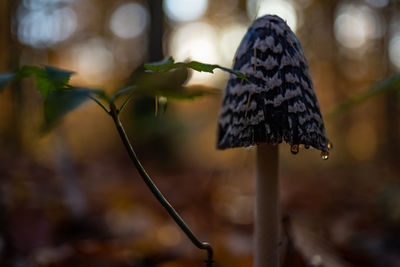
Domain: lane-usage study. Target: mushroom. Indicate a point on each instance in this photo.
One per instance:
(276, 103)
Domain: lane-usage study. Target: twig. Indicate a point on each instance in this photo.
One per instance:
(156, 192)
(99, 103)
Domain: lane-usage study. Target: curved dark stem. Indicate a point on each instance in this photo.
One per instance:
(156, 192)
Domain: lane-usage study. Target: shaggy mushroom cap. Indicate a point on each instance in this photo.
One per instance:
(278, 103)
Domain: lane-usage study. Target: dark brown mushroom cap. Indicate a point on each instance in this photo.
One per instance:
(278, 103)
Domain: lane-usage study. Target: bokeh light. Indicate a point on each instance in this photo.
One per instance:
(231, 35)
(394, 51)
(355, 25)
(129, 20)
(282, 8)
(42, 25)
(195, 41)
(94, 60)
(40, 4)
(185, 10)
(378, 3)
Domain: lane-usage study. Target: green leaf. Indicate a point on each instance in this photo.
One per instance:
(47, 79)
(5, 79)
(59, 103)
(170, 84)
(183, 95)
(27, 71)
(195, 65)
(169, 64)
(44, 85)
(390, 83)
(58, 76)
(159, 66)
(53, 79)
(234, 72)
(161, 83)
(210, 68)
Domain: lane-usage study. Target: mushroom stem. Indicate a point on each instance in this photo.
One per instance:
(266, 224)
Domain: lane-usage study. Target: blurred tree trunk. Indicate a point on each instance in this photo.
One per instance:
(4, 29)
(392, 109)
(155, 49)
(11, 57)
(318, 27)
(11, 137)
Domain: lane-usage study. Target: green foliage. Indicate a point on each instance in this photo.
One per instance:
(59, 103)
(159, 66)
(48, 79)
(58, 76)
(169, 64)
(383, 86)
(59, 96)
(167, 79)
(164, 79)
(167, 83)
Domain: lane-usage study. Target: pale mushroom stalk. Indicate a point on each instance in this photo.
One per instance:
(266, 219)
(277, 104)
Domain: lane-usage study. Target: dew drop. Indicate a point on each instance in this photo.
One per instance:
(306, 146)
(294, 149)
(324, 155)
(330, 146)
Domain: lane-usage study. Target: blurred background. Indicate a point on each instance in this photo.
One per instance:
(72, 197)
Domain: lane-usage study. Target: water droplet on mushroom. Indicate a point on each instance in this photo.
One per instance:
(306, 146)
(330, 146)
(324, 155)
(294, 149)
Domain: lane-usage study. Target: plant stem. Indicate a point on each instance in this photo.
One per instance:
(266, 223)
(99, 103)
(156, 192)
